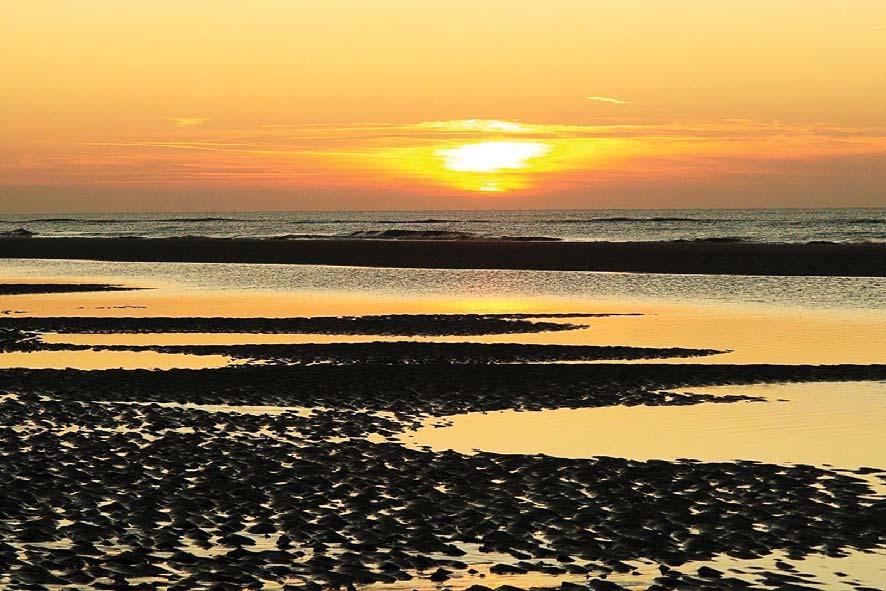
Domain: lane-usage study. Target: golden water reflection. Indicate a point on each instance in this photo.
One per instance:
(94, 360)
(754, 333)
(835, 423)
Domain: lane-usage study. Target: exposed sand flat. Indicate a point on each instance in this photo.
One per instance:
(390, 324)
(183, 497)
(40, 288)
(437, 389)
(296, 469)
(729, 258)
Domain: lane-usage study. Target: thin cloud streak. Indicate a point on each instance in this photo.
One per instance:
(606, 99)
(182, 122)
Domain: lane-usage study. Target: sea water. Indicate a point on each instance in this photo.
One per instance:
(757, 225)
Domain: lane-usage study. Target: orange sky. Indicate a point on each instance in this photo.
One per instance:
(347, 104)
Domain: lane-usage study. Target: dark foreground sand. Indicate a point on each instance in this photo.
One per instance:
(863, 260)
(183, 498)
(101, 493)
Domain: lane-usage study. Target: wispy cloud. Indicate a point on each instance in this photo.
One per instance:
(477, 125)
(188, 121)
(607, 99)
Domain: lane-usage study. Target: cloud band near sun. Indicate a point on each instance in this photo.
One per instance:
(463, 156)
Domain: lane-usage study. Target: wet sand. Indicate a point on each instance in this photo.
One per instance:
(422, 389)
(729, 258)
(390, 324)
(33, 288)
(169, 495)
(396, 352)
(288, 471)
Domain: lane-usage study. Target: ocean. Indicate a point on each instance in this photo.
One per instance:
(753, 225)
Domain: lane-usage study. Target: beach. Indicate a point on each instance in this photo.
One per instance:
(453, 296)
(321, 426)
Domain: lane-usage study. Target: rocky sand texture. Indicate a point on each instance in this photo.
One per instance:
(104, 487)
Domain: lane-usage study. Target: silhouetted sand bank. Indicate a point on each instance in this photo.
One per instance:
(436, 389)
(383, 353)
(731, 258)
(388, 324)
(35, 288)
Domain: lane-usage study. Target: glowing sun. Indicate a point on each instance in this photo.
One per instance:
(491, 156)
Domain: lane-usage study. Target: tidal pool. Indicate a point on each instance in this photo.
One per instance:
(786, 320)
(821, 423)
(93, 360)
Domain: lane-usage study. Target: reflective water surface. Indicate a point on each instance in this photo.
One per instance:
(751, 335)
(500, 286)
(110, 360)
(824, 423)
(759, 319)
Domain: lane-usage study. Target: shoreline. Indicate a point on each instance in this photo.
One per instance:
(742, 258)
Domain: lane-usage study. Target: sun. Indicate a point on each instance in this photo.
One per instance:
(486, 157)
(495, 164)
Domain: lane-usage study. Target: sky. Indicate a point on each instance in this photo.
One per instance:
(223, 105)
